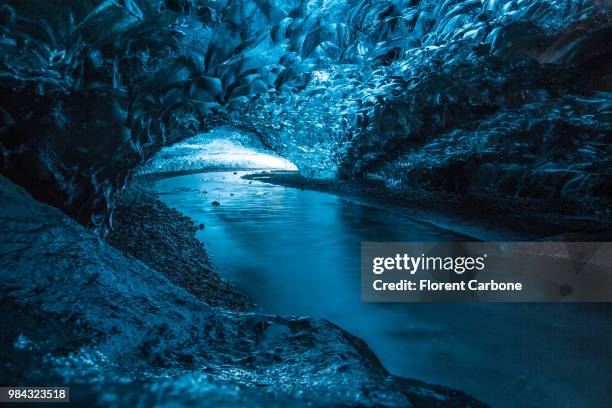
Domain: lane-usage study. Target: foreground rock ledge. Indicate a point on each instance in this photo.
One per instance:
(79, 312)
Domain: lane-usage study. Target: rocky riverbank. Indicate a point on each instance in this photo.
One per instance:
(79, 312)
(164, 240)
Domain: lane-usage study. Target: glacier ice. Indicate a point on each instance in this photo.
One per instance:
(470, 96)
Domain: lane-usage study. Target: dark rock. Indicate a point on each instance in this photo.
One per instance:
(215, 203)
(145, 228)
(119, 331)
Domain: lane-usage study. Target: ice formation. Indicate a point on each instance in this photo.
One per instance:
(509, 97)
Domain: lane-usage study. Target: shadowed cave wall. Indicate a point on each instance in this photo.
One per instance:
(505, 97)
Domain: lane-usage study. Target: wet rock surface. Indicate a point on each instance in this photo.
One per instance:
(79, 312)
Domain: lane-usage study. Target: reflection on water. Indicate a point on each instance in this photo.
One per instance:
(297, 253)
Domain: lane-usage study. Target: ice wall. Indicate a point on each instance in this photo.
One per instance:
(510, 97)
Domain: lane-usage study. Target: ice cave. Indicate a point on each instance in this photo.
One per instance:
(185, 185)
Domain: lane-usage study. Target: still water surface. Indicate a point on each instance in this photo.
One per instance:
(297, 252)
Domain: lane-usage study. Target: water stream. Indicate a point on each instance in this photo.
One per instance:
(296, 252)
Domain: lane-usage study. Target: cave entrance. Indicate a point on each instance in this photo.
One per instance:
(219, 149)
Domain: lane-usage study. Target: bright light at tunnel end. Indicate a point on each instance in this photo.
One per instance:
(321, 76)
(207, 151)
(226, 153)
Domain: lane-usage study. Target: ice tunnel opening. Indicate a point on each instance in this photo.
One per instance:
(222, 148)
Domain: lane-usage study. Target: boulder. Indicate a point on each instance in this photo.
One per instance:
(78, 312)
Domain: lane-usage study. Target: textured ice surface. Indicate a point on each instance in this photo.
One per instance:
(457, 95)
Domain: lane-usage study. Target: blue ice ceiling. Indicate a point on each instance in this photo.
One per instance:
(508, 97)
